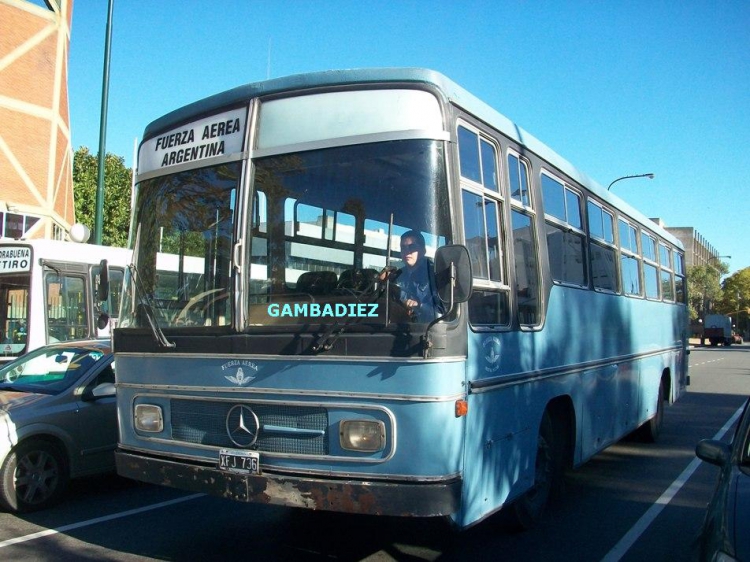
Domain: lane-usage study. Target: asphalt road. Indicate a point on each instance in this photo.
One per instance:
(632, 502)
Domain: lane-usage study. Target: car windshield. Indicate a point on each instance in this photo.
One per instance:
(49, 370)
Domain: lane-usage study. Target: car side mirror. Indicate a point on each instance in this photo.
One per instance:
(453, 273)
(103, 390)
(714, 452)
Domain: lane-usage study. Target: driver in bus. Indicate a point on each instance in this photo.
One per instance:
(416, 280)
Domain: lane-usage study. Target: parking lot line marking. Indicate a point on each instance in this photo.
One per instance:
(105, 518)
(647, 518)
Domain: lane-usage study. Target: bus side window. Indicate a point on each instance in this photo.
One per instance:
(525, 247)
(527, 271)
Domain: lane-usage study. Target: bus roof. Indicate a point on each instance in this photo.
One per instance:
(364, 76)
(64, 251)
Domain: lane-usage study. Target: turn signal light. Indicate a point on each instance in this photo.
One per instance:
(462, 408)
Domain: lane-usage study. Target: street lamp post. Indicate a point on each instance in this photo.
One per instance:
(99, 210)
(649, 176)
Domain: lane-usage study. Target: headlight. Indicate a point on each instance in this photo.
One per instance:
(362, 435)
(148, 418)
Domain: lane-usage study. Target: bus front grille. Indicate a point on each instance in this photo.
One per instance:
(283, 429)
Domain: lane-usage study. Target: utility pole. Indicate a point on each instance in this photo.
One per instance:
(103, 130)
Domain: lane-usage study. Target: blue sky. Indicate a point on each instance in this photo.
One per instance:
(617, 88)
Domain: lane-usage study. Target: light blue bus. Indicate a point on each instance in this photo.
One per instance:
(298, 374)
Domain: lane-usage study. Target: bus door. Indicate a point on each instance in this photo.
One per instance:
(14, 298)
(15, 290)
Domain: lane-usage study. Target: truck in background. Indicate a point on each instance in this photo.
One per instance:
(718, 329)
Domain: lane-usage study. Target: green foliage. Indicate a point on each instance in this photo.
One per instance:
(117, 183)
(184, 243)
(735, 299)
(704, 288)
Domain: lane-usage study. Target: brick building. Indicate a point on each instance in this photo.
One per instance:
(36, 156)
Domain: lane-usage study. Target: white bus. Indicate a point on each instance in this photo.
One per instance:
(48, 293)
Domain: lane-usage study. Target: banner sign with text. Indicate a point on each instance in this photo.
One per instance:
(15, 259)
(217, 135)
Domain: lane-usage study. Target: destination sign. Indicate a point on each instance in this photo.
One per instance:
(15, 259)
(217, 135)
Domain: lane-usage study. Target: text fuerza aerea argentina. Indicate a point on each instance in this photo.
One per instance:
(210, 143)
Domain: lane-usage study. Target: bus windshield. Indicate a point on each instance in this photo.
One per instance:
(183, 247)
(320, 230)
(319, 222)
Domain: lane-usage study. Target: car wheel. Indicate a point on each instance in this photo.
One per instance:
(33, 476)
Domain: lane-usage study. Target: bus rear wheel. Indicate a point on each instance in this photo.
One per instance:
(528, 509)
(650, 431)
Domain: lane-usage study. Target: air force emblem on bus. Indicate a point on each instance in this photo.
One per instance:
(491, 354)
(239, 378)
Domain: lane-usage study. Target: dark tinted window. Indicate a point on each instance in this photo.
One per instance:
(527, 271)
(468, 151)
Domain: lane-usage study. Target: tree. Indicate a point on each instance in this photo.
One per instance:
(704, 288)
(735, 299)
(117, 183)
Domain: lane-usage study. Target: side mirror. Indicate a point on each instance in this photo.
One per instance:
(103, 390)
(102, 290)
(714, 452)
(453, 273)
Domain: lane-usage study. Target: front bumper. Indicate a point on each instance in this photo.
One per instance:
(343, 495)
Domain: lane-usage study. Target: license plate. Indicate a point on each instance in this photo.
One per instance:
(243, 462)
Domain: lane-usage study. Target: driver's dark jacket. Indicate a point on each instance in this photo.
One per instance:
(418, 283)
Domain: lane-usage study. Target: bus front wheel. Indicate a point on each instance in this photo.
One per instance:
(528, 509)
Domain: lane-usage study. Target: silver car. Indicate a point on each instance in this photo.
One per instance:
(58, 421)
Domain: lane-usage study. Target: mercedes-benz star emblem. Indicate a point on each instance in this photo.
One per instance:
(242, 425)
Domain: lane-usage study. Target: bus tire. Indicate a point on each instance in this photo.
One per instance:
(650, 431)
(34, 476)
(527, 510)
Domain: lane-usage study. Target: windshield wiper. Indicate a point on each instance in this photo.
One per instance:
(147, 307)
(329, 338)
